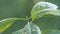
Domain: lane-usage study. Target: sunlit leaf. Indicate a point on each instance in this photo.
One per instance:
(30, 28)
(41, 6)
(47, 12)
(5, 23)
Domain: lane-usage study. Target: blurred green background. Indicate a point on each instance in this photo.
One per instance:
(22, 8)
(15, 8)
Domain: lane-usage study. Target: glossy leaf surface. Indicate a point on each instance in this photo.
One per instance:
(44, 8)
(30, 28)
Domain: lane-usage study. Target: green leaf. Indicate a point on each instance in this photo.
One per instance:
(52, 31)
(44, 12)
(5, 23)
(42, 7)
(48, 19)
(47, 12)
(30, 28)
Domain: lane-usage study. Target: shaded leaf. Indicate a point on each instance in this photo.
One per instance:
(52, 31)
(30, 28)
(48, 22)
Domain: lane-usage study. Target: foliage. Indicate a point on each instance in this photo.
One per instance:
(41, 9)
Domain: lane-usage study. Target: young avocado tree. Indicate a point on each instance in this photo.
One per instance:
(39, 10)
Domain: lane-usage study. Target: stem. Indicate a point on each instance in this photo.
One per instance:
(28, 18)
(22, 19)
(25, 19)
